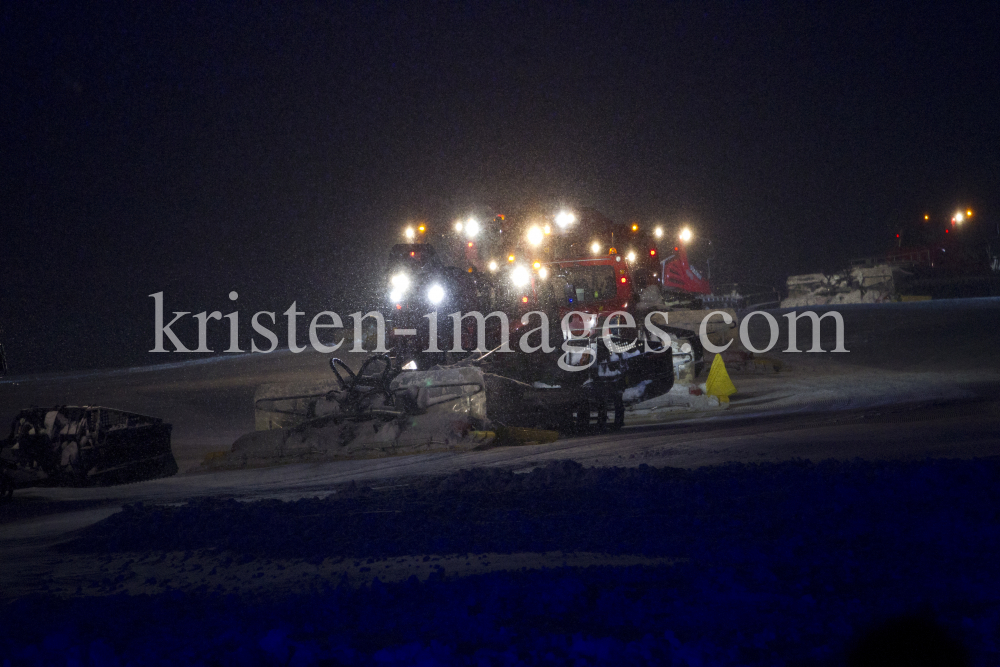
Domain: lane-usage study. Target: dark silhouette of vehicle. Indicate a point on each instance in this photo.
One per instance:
(80, 446)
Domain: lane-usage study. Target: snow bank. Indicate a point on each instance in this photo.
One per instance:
(681, 398)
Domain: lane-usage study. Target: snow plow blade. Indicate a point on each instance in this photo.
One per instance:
(80, 446)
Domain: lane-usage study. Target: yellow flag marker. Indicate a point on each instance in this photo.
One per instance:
(718, 383)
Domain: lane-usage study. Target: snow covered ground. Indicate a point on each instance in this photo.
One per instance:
(898, 353)
(767, 564)
(690, 537)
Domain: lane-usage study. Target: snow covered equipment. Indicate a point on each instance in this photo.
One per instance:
(383, 410)
(77, 446)
(377, 411)
(535, 391)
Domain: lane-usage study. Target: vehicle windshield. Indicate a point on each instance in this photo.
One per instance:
(579, 284)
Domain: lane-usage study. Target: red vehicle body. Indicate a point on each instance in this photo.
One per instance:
(596, 286)
(680, 276)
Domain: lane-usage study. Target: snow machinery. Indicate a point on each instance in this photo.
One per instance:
(468, 353)
(80, 446)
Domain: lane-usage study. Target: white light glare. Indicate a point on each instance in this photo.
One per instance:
(685, 235)
(400, 284)
(410, 233)
(535, 235)
(458, 226)
(520, 276)
(472, 228)
(401, 281)
(435, 294)
(959, 217)
(631, 255)
(409, 366)
(493, 265)
(564, 219)
(543, 273)
(658, 232)
(595, 247)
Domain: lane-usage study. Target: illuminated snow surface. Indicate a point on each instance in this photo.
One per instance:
(520, 556)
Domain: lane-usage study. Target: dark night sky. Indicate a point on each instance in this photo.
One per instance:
(275, 149)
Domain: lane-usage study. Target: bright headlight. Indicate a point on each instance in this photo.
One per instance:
(631, 255)
(543, 273)
(520, 276)
(493, 265)
(400, 285)
(564, 219)
(471, 228)
(595, 247)
(400, 281)
(535, 235)
(435, 294)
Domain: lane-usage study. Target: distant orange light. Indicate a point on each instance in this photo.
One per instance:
(969, 213)
(652, 253)
(399, 307)
(524, 299)
(676, 248)
(927, 217)
(422, 229)
(623, 280)
(510, 258)
(470, 244)
(413, 254)
(635, 228)
(537, 265)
